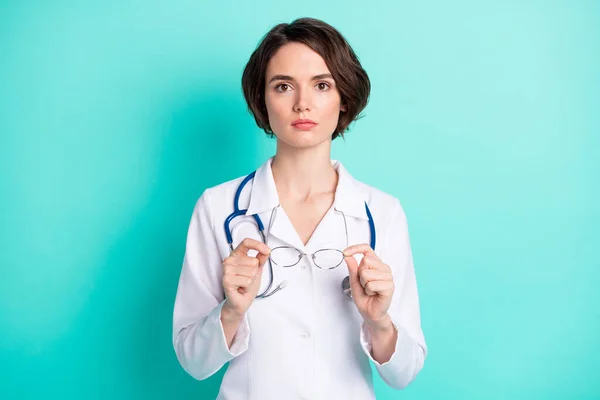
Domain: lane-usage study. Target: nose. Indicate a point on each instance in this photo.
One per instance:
(303, 100)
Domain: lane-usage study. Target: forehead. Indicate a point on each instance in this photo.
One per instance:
(297, 60)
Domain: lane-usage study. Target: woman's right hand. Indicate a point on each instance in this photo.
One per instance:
(242, 276)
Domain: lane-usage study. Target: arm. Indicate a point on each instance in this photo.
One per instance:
(202, 343)
(398, 353)
(231, 324)
(383, 340)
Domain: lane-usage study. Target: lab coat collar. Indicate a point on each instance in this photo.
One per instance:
(348, 197)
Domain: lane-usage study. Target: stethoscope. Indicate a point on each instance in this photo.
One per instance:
(261, 228)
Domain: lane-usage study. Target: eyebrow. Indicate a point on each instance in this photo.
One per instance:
(290, 78)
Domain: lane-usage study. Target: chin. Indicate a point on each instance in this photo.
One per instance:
(303, 139)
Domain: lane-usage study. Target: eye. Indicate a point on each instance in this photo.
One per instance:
(323, 83)
(280, 86)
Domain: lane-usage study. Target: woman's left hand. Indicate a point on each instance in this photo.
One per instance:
(371, 284)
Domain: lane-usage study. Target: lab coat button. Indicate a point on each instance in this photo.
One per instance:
(305, 335)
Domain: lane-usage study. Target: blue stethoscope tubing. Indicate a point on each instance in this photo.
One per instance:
(237, 212)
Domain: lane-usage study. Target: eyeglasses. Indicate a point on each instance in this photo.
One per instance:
(289, 256)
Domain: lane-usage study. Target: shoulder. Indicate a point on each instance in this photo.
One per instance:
(389, 218)
(218, 197)
(223, 190)
(381, 202)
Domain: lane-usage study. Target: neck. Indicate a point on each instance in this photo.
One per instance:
(302, 174)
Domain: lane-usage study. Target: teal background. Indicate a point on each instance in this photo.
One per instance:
(483, 120)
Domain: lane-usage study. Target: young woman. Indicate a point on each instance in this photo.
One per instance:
(298, 275)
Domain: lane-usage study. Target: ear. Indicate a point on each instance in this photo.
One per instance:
(344, 108)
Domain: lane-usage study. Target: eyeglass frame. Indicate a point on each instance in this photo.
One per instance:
(302, 254)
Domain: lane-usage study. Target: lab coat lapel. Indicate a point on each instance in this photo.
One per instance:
(282, 229)
(349, 198)
(264, 201)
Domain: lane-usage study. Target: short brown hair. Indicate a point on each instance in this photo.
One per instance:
(351, 79)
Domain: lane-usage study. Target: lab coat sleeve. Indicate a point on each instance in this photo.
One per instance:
(198, 335)
(410, 350)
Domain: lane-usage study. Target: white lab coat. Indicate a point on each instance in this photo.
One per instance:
(308, 340)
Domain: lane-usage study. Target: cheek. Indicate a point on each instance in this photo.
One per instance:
(329, 104)
(276, 110)
(330, 111)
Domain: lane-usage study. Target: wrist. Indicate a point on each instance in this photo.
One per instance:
(229, 314)
(381, 326)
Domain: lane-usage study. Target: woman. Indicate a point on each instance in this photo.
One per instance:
(274, 305)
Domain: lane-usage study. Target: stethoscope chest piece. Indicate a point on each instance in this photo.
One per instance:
(346, 286)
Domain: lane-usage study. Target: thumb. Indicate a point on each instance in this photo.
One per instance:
(355, 285)
(258, 277)
(262, 259)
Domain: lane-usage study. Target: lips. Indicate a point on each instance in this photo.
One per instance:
(303, 121)
(304, 124)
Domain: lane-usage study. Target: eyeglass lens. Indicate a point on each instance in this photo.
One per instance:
(286, 256)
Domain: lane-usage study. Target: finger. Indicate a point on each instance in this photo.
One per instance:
(355, 286)
(262, 258)
(373, 275)
(249, 272)
(370, 262)
(365, 264)
(369, 292)
(237, 281)
(251, 244)
(245, 261)
(382, 288)
(248, 261)
(360, 248)
(370, 275)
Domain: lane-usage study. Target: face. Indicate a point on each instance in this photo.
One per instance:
(299, 86)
